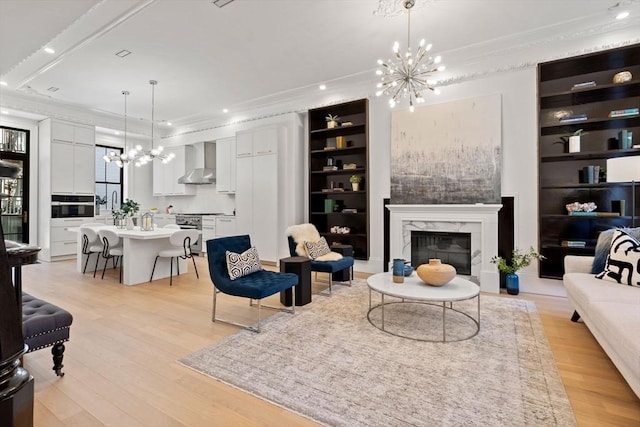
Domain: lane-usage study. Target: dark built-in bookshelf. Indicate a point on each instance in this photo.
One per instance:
(335, 154)
(579, 93)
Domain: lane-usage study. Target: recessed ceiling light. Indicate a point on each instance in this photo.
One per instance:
(225, 110)
(3, 83)
(322, 87)
(4, 112)
(116, 132)
(53, 89)
(622, 15)
(123, 53)
(49, 50)
(169, 124)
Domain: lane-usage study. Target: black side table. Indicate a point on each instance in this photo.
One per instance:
(345, 250)
(301, 266)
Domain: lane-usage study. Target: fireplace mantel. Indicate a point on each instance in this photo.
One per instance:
(481, 220)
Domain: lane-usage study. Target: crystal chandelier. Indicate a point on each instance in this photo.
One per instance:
(154, 153)
(408, 75)
(126, 156)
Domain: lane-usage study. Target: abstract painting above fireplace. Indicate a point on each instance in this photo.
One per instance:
(447, 153)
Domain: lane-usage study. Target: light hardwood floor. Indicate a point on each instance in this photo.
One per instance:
(121, 368)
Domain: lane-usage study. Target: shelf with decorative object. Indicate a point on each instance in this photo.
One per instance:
(585, 96)
(336, 155)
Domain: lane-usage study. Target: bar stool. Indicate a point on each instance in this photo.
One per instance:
(181, 242)
(112, 249)
(91, 244)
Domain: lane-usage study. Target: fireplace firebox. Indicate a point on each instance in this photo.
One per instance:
(452, 248)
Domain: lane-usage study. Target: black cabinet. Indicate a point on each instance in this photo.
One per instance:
(580, 93)
(336, 154)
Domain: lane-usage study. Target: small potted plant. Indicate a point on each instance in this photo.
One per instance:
(332, 121)
(119, 218)
(130, 209)
(519, 260)
(100, 201)
(355, 182)
(572, 140)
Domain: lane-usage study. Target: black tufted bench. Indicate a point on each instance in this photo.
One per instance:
(45, 325)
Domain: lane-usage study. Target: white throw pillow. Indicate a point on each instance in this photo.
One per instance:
(239, 265)
(317, 249)
(623, 262)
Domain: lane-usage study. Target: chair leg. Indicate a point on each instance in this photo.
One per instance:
(213, 313)
(259, 304)
(194, 266)
(106, 261)
(121, 271)
(96, 269)
(154, 267)
(178, 265)
(330, 281)
(84, 270)
(171, 271)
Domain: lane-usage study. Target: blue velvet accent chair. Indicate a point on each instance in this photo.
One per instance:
(326, 266)
(257, 285)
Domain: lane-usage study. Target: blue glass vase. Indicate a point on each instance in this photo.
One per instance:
(513, 284)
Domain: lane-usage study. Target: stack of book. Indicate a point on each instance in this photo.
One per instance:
(329, 168)
(574, 243)
(625, 139)
(581, 213)
(576, 118)
(625, 112)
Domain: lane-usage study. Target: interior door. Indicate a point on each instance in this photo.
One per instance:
(14, 202)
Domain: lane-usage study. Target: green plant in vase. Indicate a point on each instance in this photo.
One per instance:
(355, 182)
(332, 121)
(519, 260)
(130, 208)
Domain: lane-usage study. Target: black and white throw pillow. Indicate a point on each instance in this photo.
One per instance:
(623, 262)
(247, 262)
(317, 249)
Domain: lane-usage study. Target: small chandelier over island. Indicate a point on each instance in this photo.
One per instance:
(153, 153)
(408, 76)
(126, 156)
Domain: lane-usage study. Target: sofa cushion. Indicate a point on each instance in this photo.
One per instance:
(585, 289)
(604, 244)
(239, 265)
(619, 323)
(623, 262)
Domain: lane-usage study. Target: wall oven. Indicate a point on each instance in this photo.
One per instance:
(68, 206)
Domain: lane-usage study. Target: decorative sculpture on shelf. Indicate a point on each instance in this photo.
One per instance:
(581, 207)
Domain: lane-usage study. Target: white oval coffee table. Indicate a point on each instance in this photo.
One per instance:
(414, 290)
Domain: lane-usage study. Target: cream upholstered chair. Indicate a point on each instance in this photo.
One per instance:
(91, 244)
(112, 249)
(181, 242)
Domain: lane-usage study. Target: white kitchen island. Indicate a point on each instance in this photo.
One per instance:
(140, 249)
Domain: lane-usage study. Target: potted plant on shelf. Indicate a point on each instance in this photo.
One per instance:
(332, 121)
(572, 140)
(519, 260)
(355, 182)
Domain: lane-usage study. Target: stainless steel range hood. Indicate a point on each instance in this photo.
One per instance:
(203, 161)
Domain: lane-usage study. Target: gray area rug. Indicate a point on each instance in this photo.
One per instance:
(328, 363)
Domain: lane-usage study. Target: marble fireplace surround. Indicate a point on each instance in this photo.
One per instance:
(481, 220)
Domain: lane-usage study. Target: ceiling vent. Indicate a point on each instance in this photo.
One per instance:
(221, 3)
(123, 53)
(53, 89)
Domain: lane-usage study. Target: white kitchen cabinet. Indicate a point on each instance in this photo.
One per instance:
(62, 241)
(257, 190)
(72, 158)
(66, 165)
(225, 226)
(208, 231)
(226, 165)
(161, 220)
(165, 175)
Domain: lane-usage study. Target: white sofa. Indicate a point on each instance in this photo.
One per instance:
(611, 311)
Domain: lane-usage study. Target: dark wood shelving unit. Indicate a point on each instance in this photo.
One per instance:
(559, 182)
(323, 146)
